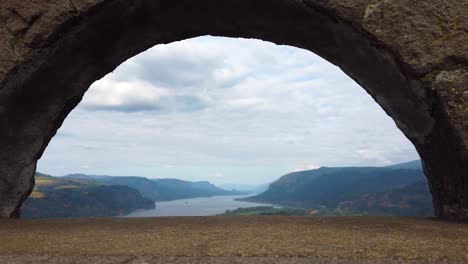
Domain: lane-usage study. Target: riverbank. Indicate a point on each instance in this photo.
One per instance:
(370, 239)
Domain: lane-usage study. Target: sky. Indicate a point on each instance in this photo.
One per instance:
(227, 111)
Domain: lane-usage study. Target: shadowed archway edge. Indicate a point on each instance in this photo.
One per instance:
(410, 57)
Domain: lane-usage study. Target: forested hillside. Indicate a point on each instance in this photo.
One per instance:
(61, 197)
(399, 189)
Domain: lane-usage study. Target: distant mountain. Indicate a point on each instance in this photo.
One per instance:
(172, 189)
(203, 185)
(329, 187)
(160, 189)
(87, 176)
(67, 197)
(250, 189)
(412, 165)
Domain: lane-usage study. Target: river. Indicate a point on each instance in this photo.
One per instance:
(196, 206)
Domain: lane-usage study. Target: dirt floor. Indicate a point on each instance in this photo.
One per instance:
(255, 239)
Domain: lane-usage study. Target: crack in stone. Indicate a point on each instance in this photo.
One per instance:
(17, 24)
(75, 10)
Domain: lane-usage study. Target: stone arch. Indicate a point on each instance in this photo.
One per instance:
(410, 56)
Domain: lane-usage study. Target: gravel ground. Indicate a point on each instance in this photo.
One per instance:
(288, 240)
(198, 260)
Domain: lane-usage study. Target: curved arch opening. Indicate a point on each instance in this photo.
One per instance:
(228, 111)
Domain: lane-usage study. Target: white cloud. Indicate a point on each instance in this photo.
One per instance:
(373, 155)
(108, 94)
(127, 96)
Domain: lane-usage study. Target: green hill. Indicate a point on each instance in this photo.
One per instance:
(350, 189)
(62, 197)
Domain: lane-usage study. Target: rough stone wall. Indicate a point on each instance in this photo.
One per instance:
(430, 42)
(410, 56)
(28, 29)
(30, 25)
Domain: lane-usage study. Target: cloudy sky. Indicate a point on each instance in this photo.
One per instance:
(224, 110)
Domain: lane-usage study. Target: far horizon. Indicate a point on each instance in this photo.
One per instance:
(210, 181)
(225, 111)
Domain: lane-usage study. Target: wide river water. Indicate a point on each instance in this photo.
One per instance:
(196, 206)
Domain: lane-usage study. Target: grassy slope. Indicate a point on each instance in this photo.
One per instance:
(62, 197)
(267, 210)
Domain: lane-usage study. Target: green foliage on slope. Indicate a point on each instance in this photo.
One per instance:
(354, 190)
(267, 210)
(61, 197)
(411, 200)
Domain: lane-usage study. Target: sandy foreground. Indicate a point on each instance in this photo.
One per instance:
(250, 239)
